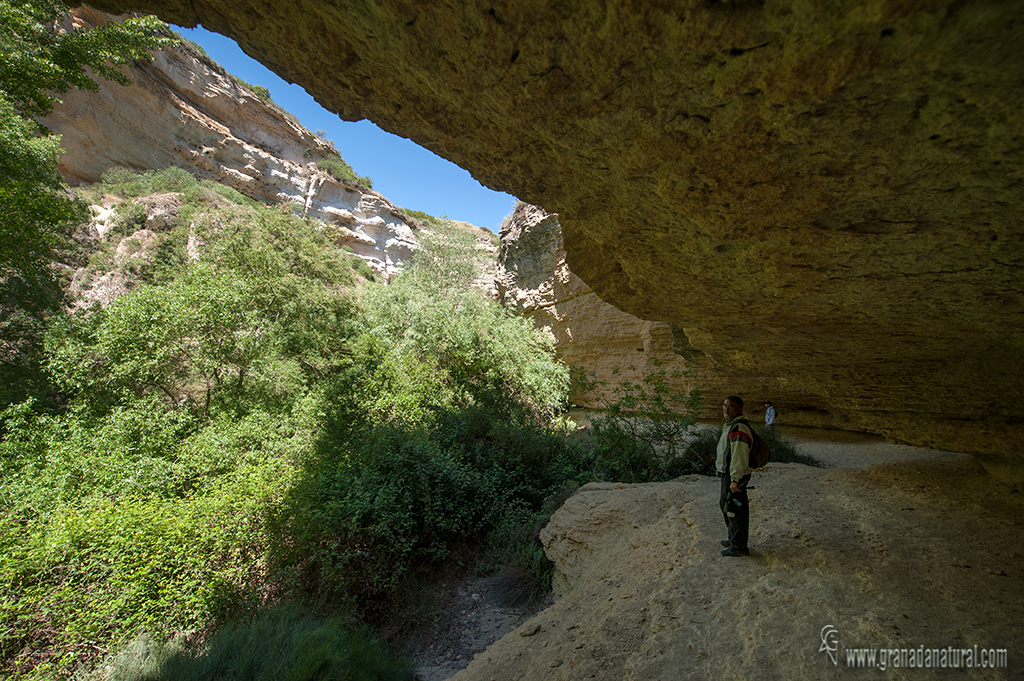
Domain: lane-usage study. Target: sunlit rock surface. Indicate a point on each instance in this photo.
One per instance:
(185, 110)
(827, 194)
(604, 343)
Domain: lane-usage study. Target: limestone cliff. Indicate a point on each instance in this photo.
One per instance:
(850, 171)
(607, 344)
(185, 110)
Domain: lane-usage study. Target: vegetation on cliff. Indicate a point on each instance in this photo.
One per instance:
(245, 425)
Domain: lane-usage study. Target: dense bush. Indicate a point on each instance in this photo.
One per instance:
(435, 432)
(340, 170)
(145, 503)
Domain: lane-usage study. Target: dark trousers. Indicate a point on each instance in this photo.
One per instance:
(736, 511)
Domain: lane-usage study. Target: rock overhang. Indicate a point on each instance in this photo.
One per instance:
(828, 195)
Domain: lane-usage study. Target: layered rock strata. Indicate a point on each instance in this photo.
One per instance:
(184, 110)
(827, 194)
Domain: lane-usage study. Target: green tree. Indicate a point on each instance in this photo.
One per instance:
(437, 431)
(35, 209)
(476, 351)
(144, 503)
(39, 60)
(253, 320)
(645, 429)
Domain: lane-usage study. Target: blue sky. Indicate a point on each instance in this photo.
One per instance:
(421, 180)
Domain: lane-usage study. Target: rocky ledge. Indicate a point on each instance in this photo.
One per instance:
(874, 552)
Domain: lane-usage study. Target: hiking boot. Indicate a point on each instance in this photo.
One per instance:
(726, 542)
(733, 551)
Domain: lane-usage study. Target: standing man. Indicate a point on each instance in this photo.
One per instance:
(769, 415)
(733, 465)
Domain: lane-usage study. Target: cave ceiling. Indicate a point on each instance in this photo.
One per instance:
(823, 194)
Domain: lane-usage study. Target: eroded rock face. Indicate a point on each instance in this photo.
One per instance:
(610, 345)
(605, 343)
(826, 194)
(185, 110)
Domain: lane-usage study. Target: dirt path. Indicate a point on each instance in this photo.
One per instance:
(475, 613)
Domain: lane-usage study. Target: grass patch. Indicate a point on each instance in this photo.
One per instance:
(283, 643)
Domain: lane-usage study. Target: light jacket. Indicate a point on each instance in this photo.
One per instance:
(736, 441)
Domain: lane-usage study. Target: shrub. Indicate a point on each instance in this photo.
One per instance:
(131, 184)
(145, 502)
(639, 435)
(703, 451)
(95, 569)
(131, 216)
(435, 432)
(250, 322)
(282, 643)
(783, 450)
(340, 170)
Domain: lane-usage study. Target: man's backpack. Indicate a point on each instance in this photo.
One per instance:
(759, 452)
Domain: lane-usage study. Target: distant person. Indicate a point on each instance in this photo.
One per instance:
(769, 415)
(733, 464)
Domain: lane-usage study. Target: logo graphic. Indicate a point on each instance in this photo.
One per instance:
(830, 643)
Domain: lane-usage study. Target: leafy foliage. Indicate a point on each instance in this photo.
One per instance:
(38, 61)
(144, 504)
(238, 427)
(41, 60)
(249, 322)
(25, 308)
(36, 212)
(435, 432)
(645, 431)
